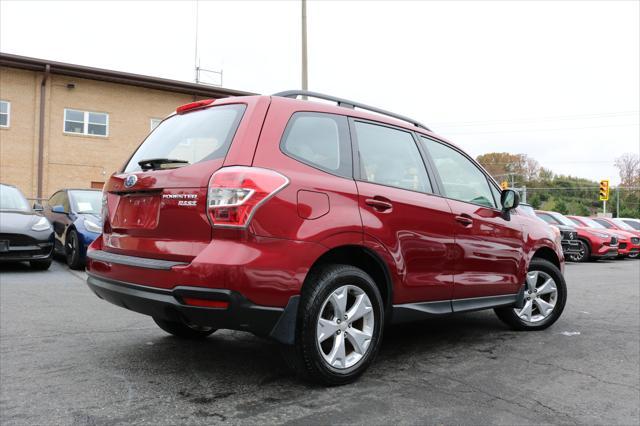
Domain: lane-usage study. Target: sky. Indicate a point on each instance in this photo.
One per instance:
(558, 81)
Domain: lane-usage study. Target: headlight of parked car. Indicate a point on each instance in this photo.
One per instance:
(92, 226)
(600, 234)
(41, 225)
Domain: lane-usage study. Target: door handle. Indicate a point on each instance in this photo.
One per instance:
(465, 220)
(379, 205)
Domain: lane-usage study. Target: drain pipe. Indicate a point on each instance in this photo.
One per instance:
(43, 86)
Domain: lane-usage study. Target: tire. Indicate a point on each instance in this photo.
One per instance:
(328, 296)
(72, 250)
(183, 330)
(552, 303)
(634, 255)
(585, 253)
(40, 264)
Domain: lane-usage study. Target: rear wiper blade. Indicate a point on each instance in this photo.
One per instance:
(161, 163)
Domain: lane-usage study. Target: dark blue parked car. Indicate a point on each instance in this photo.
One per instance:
(76, 218)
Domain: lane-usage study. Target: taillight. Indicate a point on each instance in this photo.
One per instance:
(235, 193)
(193, 105)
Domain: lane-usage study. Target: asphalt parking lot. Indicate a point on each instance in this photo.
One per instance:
(67, 357)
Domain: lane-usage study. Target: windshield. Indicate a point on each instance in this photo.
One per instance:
(632, 223)
(191, 137)
(86, 201)
(591, 223)
(622, 224)
(563, 219)
(12, 199)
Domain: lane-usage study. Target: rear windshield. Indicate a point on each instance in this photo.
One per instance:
(12, 199)
(192, 137)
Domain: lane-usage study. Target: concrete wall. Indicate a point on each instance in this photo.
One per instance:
(72, 160)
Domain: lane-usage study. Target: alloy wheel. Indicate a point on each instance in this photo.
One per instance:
(540, 297)
(581, 253)
(345, 327)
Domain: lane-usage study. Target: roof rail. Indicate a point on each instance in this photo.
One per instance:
(347, 104)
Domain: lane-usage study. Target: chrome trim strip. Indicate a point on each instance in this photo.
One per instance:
(138, 262)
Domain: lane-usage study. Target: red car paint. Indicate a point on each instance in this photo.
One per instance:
(429, 254)
(629, 239)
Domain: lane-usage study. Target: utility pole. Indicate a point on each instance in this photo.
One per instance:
(618, 201)
(195, 59)
(304, 46)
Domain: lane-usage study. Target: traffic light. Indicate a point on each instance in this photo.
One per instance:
(604, 190)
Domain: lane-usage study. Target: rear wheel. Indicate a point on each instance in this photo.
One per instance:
(544, 298)
(40, 264)
(339, 327)
(185, 331)
(72, 250)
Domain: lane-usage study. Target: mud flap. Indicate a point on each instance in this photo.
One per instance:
(285, 329)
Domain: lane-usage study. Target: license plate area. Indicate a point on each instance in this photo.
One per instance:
(137, 211)
(4, 246)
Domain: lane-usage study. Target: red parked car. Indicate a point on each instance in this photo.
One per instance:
(315, 225)
(631, 235)
(596, 241)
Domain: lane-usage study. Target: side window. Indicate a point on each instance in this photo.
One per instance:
(497, 194)
(65, 202)
(604, 223)
(55, 200)
(319, 140)
(462, 180)
(390, 157)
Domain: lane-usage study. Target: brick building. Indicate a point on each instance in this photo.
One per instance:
(71, 126)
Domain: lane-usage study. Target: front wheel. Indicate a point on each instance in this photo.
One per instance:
(339, 327)
(583, 254)
(72, 250)
(545, 296)
(40, 264)
(182, 330)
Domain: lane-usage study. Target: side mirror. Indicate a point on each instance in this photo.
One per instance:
(509, 199)
(57, 209)
(37, 207)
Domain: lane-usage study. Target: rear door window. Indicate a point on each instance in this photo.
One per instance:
(193, 136)
(390, 157)
(319, 140)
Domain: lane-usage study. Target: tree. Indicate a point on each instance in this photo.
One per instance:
(629, 168)
(561, 207)
(510, 167)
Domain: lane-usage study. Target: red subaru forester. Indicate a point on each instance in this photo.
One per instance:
(315, 224)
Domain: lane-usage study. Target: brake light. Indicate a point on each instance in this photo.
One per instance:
(235, 193)
(193, 105)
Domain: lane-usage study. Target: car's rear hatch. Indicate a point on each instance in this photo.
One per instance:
(157, 209)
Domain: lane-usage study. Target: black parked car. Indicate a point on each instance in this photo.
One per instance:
(75, 216)
(568, 234)
(24, 233)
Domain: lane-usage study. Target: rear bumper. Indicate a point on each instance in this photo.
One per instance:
(240, 313)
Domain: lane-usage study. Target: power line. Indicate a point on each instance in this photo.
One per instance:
(539, 119)
(541, 130)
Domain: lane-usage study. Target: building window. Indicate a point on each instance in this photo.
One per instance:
(86, 123)
(5, 112)
(153, 123)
